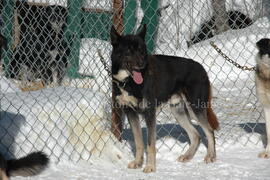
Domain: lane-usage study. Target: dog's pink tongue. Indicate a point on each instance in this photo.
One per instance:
(137, 77)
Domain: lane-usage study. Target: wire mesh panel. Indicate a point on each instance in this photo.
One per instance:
(56, 90)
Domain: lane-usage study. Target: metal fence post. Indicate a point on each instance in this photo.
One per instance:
(7, 30)
(129, 16)
(150, 18)
(73, 33)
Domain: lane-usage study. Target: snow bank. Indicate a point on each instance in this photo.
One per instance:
(182, 19)
(91, 65)
(237, 44)
(67, 123)
(237, 163)
(7, 86)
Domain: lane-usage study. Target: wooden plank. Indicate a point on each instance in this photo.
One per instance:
(96, 10)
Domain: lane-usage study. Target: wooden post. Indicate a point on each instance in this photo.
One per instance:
(117, 125)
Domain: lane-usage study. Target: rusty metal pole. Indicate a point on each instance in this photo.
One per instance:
(118, 21)
(117, 124)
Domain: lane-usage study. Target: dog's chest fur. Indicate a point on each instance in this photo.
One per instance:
(262, 79)
(131, 95)
(128, 94)
(127, 99)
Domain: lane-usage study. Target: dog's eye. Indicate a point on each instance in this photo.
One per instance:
(140, 48)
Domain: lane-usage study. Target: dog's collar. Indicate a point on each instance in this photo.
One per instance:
(120, 84)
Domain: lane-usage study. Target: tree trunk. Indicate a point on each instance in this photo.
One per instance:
(221, 16)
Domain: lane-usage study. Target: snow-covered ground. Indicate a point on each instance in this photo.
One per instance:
(61, 122)
(236, 163)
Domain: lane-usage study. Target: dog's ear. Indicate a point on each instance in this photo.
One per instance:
(114, 35)
(263, 43)
(3, 42)
(142, 33)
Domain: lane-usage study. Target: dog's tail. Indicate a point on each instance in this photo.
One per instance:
(212, 118)
(29, 165)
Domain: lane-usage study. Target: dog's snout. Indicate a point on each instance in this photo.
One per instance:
(141, 64)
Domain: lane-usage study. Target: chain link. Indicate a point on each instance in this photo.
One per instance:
(245, 68)
(84, 100)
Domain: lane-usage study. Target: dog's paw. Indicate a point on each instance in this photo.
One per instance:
(184, 158)
(135, 164)
(209, 159)
(264, 154)
(149, 169)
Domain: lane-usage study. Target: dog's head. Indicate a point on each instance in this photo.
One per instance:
(263, 46)
(129, 54)
(57, 17)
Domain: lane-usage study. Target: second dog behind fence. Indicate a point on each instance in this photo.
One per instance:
(42, 52)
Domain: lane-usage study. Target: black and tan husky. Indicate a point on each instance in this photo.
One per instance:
(30, 165)
(262, 78)
(142, 82)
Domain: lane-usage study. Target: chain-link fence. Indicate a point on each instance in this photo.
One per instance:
(56, 91)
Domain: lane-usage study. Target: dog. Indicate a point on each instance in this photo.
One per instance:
(30, 165)
(262, 80)
(142, 82)
(237, 20)
(43, 50)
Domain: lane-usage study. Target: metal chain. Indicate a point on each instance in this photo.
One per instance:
(245, 68)
(103, 61)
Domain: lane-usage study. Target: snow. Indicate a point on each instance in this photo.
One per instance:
(55, 109)
(182, 19)
(69, 122)
(235, 163)
(6, 86)
(89, 57)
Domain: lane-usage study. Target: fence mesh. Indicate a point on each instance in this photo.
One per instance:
(56, 93)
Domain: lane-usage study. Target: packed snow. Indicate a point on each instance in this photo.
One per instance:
(78, 138)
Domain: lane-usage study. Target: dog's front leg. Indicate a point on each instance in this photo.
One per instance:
(137, 133)
(266, 152)
(150, 119)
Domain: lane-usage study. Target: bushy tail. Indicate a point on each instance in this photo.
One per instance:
(29, 165)
(212, 118)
